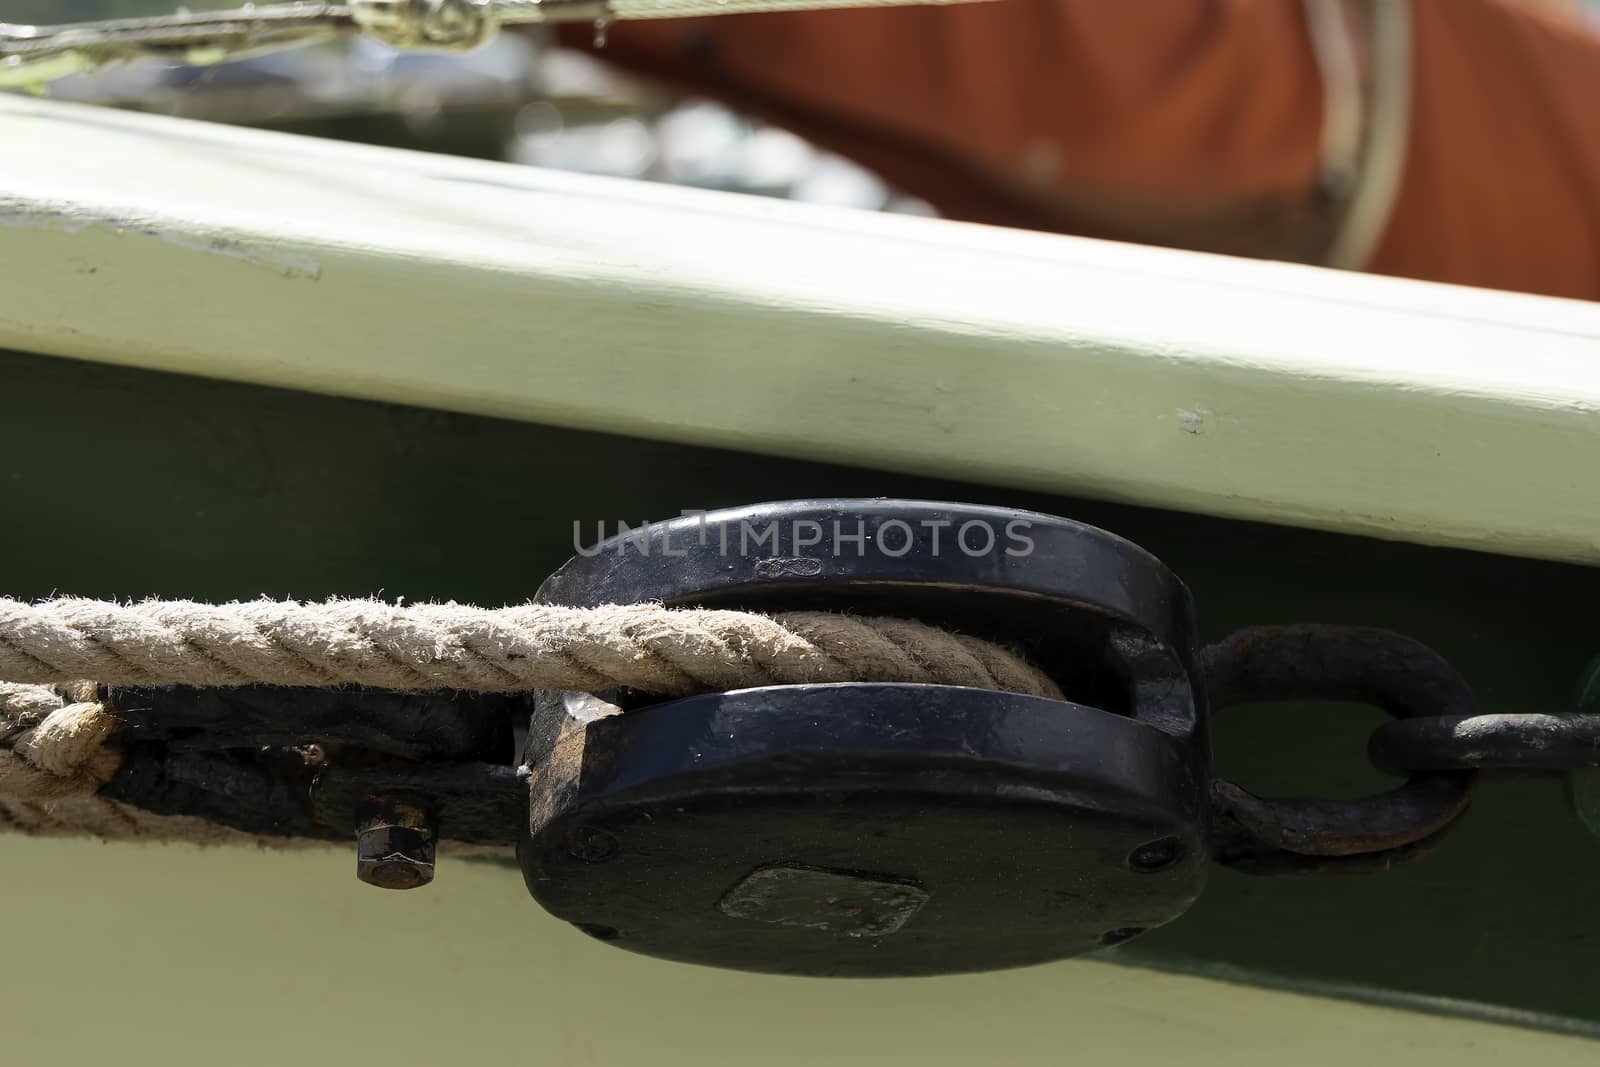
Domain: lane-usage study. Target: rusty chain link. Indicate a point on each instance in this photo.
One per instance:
(1436, 739)
(1345, 663)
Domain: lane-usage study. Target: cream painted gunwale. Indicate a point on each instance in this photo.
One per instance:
(1428, 413)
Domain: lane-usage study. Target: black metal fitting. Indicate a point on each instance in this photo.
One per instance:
(878, 829)
(1516, 742)
(1337, 663)
(395, 842)
(304, 763)
(855, 828)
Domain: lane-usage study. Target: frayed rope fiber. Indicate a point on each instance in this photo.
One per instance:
(54, 734)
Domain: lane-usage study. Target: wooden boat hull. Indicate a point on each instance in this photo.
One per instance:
(534, 402)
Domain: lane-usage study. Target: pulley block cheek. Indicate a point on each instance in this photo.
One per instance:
(882, 829)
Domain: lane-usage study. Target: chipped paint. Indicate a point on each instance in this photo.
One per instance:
(288, 264)
(32, 215)
(1195, 420)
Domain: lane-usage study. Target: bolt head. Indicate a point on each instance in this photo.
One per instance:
(1154, 856)
(395, 847)
(592, 844)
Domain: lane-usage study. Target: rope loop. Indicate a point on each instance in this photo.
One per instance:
(57, 743)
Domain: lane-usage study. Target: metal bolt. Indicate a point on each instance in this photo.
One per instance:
(1157, 855)
(394, 843)
(592, 844)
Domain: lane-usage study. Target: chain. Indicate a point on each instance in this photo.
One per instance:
(1509, 743)
(1354, 664)
(1436, 739)
(31, 56)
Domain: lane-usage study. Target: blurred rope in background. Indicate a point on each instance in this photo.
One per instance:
(519, 98)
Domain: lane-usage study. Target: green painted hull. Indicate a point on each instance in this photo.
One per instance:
(129, 483)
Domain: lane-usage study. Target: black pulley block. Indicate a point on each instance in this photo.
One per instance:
(878, 829)
(859, 828)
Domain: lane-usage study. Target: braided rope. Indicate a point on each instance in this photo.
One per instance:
(669, 651)
(54, 753)
(33, 55)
